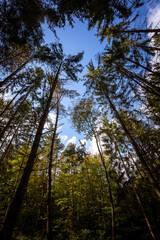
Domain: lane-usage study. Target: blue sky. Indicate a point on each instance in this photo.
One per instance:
(79, 39)
(75, 40)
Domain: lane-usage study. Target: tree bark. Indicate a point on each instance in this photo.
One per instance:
(12, 215)
(109, 186)
(91, 193)
(49, 186)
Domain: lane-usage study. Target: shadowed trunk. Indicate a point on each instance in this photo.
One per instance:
(109, 185)
(49, 186)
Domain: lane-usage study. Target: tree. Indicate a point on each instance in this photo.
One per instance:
(110, 131)
(99, 82)
(84, 118)
(71, 66)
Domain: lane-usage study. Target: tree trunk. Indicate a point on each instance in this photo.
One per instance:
(149, 47)
(9, 58)
(3, 89)
(140, 65)
(10, 142)
(147, 85)
(91, 193)
(15, 72)
(137, 196)
(49, 186)
(11, 101)
(134, 144)
(11, 217)
(109, 185)
(139, 31)
(15, 113)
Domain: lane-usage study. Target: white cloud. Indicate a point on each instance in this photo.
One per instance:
(92, 147)
(153, 18)
(63, 137)
(153, 21)
(72, 140)
(52, 116)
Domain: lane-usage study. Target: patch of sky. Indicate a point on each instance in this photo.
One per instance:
(74, 40)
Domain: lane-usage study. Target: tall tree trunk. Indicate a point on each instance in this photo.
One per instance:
(137, 196)
(91, 192)
(134, 144)
(15, 72)
(109, 185)
(49, 186)
(11, 217)
(19, 173)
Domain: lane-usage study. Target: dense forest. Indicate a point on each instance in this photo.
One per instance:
(52, 191)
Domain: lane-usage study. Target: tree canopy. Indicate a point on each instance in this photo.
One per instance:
(49, 190)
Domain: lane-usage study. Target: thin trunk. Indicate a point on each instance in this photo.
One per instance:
(21, 166)
(109, 186)
(91, 191)
(17, 179)
(137, 196)
(15, 72)
(11, 101)
(147, 85)
(138, 64)
(49, 186)
(9, 58)
(149, 47)
(10, 142)
(139, 31)
(11, 217)
(3, 89)
(15, 113)
(135, 163)
(134, 144)
(5, 139)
